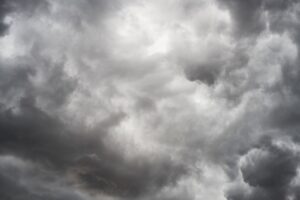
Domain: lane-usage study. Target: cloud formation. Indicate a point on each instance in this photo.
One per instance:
(149, 100)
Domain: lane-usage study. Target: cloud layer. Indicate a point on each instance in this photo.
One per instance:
(149, 100)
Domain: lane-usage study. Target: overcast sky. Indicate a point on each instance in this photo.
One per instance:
(149, 99)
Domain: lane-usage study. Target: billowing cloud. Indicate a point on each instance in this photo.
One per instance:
(146, 100)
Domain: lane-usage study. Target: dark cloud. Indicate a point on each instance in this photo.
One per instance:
(128, 179)
(31, 133)
(269, 172)
(23, 180)
(36, 93)
(206, 73)
(10, 6)
(34, 135)
(4, 10)
(273, 169)
(149, 99)
(250, 17)
(247, 16)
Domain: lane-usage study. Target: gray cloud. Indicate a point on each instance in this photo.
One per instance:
(247, 16)
(29, 7)
(4, 9)
(149, 100)
(34, 135)
(269, 171)
(23, 180)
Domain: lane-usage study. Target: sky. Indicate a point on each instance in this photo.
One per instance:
(149, 100)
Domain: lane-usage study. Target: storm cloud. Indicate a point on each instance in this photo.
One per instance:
(149, 100)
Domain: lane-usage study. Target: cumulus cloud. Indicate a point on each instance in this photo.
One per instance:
(149, 100)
